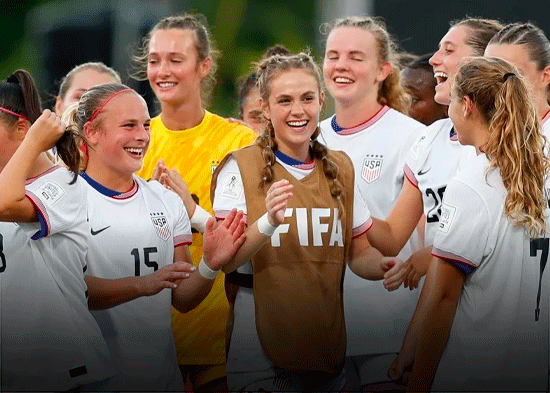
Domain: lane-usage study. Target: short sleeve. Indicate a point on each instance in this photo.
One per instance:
(463, 233)
(229, 193)
(362, 220)
(416, 157)
(57, 202)
(182, 224)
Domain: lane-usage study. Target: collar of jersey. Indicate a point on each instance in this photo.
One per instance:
(292, 162)
(545, 117)
(107, 191)
(360, 127)
(453, 135)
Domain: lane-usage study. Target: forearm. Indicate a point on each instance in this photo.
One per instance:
(382, 238)
(105, 293)
(13, 178)
(365, 261)
(254, 241)
(190, 292)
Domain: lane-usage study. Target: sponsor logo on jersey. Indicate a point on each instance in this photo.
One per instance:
(447, 216)
(232, 187)
(50, 192)
(311, 224)
(372, 167)
(161, 225)
(98, 231)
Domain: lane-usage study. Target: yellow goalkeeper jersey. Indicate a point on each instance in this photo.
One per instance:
(195, 152)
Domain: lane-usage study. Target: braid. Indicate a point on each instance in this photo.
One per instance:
(330, 169)
(268, 144)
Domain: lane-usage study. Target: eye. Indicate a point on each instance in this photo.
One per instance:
(283, 101)
(357, 59)
(153, 61)
(309, 98)
(177, 60)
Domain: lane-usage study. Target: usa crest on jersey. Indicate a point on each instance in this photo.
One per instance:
(372, 166)
(161, 225)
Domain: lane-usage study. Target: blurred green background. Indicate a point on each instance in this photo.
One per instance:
(49, 37)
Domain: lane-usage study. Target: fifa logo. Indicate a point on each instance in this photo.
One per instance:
(314, 221)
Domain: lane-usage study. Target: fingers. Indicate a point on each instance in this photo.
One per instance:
(395, 371)
(210, 224)
(394, 276)
(159, 170)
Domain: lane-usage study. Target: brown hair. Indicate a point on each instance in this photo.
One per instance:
(20, 95)
(99, 67)
(268, 69)
(390, 91)
(531, 38)
(481, 32)
(203, 43)
(515, 144)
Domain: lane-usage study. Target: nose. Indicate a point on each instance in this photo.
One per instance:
(164, 68)
(297, 108)
(435, 59)
(341, 63)
(143, 134)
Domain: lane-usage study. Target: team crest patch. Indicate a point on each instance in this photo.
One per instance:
(233, 186)
(372, 167)
(51, 192)
(161, 225)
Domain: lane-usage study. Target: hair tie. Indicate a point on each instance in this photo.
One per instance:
(507, 75)
(100, 108)
(13, 113)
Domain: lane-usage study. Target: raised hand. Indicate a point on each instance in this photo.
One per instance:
(46, 130)
(221, 243)
(394, 272)
(171, 179)
(165, 277)
(160, 168)
(276, 201)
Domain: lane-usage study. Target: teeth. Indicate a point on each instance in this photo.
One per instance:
(440, 74)
(133, 150)
(167, 84)
(342, 80)
(297, 123)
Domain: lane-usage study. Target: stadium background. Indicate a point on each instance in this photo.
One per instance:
(49, 37)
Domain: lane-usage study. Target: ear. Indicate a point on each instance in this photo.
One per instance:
(545, 78)
(322, 98)
(205, 67)
(385, 69)
(58, 104)
(22, 127)
(265, 109)
(468, 105)
(91, 133)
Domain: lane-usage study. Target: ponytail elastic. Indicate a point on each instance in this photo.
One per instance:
(507, 75)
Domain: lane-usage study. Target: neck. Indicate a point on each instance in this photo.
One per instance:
(480, 137)
(351, 115)
(542, 108)
(182, 116)
(115, 181)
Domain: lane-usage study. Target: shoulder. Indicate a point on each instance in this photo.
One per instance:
(211, 120)
(326, 125)
(402, 120)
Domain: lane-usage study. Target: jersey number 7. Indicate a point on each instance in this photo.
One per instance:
(541, 244)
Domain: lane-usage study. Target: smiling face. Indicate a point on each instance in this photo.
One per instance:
(420, 83)
(173, 69)
(452, 49)
(80, 83)
(351, 67)
(118, 145)
(293, 107)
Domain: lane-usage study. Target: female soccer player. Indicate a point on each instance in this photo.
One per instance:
(485, 295)
(435, 157)
(300, 342)
(179, 61)
(368, 126)
(137, 243)
(525, 46)
(49, 340)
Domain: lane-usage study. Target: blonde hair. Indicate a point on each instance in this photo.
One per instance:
(98, 67)
(480, 32)
(204, 44)
(390, 91)
(268, 69)
(515, 144)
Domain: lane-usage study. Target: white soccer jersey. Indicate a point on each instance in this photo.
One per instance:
(433, 160)
(499, 337)
(377, 148)
(245, 352)
(49, 340)
(134, 234)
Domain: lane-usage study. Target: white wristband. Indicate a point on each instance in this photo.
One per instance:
(206, 272)
(199, 218)
(265, 227)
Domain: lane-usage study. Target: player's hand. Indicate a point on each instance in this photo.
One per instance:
(46, 130)
(172, 180)
(222, 242)
(394, 272)
(416, 267)
(160, 168)
(401, 367)
(165, 277)
(276, 201)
